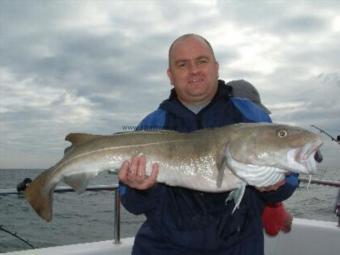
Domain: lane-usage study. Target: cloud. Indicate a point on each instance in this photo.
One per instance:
(94, 66)
(30, 109)
(311, 102)
(300, 24)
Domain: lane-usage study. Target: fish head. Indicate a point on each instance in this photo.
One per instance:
(262, 154)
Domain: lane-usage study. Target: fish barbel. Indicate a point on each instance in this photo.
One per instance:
(211, 160)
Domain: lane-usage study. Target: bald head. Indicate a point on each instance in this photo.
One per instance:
(193, 70)
(188, 36)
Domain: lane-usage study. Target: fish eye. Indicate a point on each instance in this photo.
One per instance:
(282, 133)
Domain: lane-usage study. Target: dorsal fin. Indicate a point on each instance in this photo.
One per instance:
(79, 138)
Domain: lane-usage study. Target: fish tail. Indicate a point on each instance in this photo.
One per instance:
(40, 196)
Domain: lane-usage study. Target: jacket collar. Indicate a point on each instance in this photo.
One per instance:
(173, 105)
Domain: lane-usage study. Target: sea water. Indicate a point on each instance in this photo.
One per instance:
(77, 218)
(88, 217)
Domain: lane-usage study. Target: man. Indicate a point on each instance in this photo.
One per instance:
(183, 221)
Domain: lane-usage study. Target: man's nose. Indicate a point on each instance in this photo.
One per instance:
(193, 68)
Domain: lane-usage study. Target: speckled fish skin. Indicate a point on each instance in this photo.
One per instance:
(212, 160)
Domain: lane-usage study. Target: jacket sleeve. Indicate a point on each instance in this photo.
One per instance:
(141, 201)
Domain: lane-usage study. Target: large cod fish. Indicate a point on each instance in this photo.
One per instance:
(211, 160)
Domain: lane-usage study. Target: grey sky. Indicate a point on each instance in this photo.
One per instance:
(95, 66)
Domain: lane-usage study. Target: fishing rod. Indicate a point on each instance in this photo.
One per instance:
(16, 236)
(323, 182)
(337, 140)
(330, 183)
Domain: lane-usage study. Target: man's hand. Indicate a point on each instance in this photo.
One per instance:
(133, 174)
(274, 187)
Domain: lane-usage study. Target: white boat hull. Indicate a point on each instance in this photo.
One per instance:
(307, 237)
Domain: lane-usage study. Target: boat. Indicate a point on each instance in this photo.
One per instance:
(312, 237)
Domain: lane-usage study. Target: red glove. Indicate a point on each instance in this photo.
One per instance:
(276, 218)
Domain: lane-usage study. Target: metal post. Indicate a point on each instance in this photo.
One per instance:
(337, 207)
(116, 234)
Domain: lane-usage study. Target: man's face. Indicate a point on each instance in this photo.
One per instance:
(193, 71)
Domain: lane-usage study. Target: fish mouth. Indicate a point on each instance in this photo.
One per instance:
(299, 160)
(304, 159)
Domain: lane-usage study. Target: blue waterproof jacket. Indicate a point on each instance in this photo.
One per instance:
(188, 222)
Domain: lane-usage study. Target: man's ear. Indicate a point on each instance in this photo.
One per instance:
(171, 78)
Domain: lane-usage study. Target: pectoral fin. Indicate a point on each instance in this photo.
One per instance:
(236, 195)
